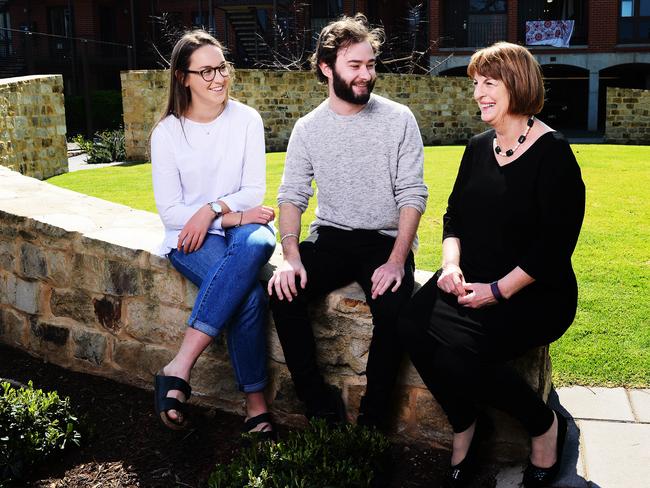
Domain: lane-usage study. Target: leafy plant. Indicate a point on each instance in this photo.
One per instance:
(319, 456)
(107, 146)
(33, 426)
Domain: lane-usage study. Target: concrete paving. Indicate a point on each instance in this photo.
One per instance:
(608, 443)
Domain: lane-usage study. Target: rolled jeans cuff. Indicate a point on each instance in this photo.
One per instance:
(203, 327)
(255, 387)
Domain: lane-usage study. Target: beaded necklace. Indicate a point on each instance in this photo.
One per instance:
(520, 140)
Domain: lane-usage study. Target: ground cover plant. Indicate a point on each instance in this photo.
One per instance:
(34, 425)
(126, 446)
(345, 457)
(609, 342)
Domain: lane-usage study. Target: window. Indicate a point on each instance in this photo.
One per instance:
(575, 10)
(59, 20)
(5, 35)
(634, 21)
(474, 23)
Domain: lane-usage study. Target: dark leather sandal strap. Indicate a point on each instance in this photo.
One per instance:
(169, 383)
(253, 422)
(168, 404)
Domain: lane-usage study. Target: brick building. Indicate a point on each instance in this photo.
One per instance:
(609, 46)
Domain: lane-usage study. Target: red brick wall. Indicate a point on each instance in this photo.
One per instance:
(435, 19)
(512, 22)
(85, 19)
(603, 24)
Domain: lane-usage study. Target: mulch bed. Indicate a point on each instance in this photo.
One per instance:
(124, 445)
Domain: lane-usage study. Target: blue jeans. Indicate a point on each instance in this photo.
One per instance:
(230, 296)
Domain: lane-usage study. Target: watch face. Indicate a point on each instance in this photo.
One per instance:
(216, 207)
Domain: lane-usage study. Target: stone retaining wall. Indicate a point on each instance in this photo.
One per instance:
(628, 116)
(444, 107)
(32, 125)
(80, 288)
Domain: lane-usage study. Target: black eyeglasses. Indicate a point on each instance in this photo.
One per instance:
(208, 74)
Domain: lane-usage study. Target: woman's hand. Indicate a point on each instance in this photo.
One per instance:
(451, 280)
(193, 234)
(477, 295)
(258, 215)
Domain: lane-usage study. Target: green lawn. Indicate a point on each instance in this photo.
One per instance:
(609, 343)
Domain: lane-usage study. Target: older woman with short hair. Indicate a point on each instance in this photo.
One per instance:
(506, 284)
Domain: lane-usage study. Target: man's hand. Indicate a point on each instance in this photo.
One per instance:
(451, 280)
(193, 234)
(478, 295)
(384, 276)
(284, 278)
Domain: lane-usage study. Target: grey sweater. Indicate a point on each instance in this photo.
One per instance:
(366, 166)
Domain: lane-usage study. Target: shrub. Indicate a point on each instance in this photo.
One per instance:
(33, 426)
(107, 146)
(316, 457)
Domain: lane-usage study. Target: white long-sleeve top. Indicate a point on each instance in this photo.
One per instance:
(196, 163)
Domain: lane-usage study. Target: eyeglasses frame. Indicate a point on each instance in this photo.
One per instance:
(225, 66)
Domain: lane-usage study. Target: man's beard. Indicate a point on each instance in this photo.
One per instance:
(345, 91)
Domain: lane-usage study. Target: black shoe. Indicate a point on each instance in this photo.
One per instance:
(328, 406)
(535, 477)
(463, 472)
(266, 434)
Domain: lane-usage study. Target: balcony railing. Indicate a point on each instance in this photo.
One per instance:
(477, 31)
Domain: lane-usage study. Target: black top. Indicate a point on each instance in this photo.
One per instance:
(527, 213)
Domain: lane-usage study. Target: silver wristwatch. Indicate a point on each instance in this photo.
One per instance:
(216, 208)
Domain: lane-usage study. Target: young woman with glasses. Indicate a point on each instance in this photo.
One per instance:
(208, 165)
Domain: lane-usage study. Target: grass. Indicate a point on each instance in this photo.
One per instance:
(609, 342)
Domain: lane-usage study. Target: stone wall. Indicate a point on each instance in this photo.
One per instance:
(444, 107)
(80, 288)
(628, 116)
(32, 125)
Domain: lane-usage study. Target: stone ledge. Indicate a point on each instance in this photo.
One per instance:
(80, 288)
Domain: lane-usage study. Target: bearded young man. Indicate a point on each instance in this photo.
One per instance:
(365, 153)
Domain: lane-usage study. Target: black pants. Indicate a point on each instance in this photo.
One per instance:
(334, 258)
(462, 354)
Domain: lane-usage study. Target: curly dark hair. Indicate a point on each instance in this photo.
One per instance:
(342, 33)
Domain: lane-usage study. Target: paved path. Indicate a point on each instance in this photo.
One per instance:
(77, 159)
(608, 445)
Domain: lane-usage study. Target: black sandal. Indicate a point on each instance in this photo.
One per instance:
(163, 404)
(258, 436)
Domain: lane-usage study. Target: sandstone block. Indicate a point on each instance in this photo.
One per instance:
(27, 296)
(13, 328)
(7, 255)
(59, 267)
(74, 304)
(153, 323)
(89, 346)
(49, 334)
(89, 270)
(167, 287)
(128, 355)
(191, 291)
(122, 279)
(215, 378)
